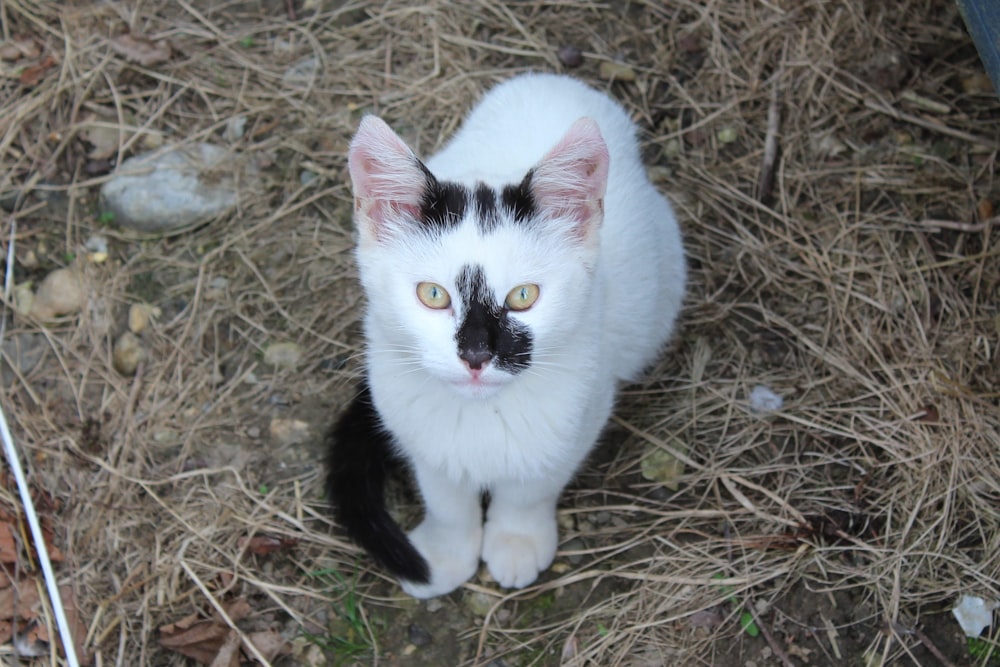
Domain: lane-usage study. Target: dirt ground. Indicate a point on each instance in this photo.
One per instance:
(835, 169)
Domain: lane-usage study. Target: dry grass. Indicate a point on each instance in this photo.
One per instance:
(864, 288)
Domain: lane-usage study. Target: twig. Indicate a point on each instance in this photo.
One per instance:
(927, 124)
(765, 182)
(771, 641)
(51, 585)
(970, 227)
(929, 645)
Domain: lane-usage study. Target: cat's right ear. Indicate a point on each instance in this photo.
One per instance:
(387, 178)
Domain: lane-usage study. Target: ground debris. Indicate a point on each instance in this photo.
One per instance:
(264, 545)
(211, 641)
(141, 49)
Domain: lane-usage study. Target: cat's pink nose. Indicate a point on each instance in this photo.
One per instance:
(475, 358)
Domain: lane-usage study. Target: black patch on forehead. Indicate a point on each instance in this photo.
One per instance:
(487, 325)
(519, 200)
(485, 200)
(443, 203)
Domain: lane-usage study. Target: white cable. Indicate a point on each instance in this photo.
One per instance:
(55, 600)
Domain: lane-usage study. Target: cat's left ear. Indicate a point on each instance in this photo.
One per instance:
(570, 181)
(388, 179)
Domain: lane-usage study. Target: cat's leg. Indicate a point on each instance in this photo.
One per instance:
(450, 537)
(521, 533)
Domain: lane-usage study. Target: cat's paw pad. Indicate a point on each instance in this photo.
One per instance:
(453, 557)
(515, 558)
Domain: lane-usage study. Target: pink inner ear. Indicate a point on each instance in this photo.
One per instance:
(571, 178)
(385, 174)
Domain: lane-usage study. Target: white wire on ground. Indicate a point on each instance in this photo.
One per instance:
(55, 599)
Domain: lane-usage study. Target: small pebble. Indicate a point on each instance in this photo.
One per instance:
(978, 84)
(570, 56)
(727, 135)
(139, 316)
(283, 355)
(764, 400)
(419, 637)
(235, 128)
(288, 431)
(616, 71)
(576, 544)
(97, 249)
(479, 603)
(435, 605)
(60, 293)
(127, 354)
(253, 432)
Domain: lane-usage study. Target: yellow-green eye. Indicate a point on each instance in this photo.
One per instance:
(433, 296)
(522, 297)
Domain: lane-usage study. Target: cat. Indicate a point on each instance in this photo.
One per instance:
(513, 281)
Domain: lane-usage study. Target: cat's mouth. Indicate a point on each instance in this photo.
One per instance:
(477, 386)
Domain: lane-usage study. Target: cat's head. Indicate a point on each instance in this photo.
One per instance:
(470, 283)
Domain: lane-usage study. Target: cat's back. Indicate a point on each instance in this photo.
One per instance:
(519, 120)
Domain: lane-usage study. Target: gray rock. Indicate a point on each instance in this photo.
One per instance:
(168, 192)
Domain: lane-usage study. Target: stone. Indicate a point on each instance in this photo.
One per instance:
(284, 356)
(167, 192)
(127, 354)
(288, 431)
(60, 293)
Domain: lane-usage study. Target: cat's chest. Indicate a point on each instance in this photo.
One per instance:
(528, 431)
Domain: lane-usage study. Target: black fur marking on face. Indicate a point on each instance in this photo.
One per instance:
(485, 200)
(519, 200)
(443, 203)
(487, 333)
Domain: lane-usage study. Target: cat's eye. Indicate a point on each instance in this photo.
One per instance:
(522, 297)
(433, 296)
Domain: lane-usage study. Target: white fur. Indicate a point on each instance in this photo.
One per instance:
(604, 312)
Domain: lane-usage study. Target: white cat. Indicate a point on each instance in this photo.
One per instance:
(513, 281)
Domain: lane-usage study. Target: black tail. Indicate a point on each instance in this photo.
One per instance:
(361, 454)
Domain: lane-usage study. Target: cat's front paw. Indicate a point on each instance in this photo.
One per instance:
(453, 557)
(515, 554)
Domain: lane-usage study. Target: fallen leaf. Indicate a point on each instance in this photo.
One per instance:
(20, 601)
(706, 618)
(30, 76)
(237, 609)
(261, 545)
(659, 465)
(8, 545)
(229, 652)
(77, 628)
(141, 50)
(180, 625)
(270, 643)
(104, 137)
(201, 641)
